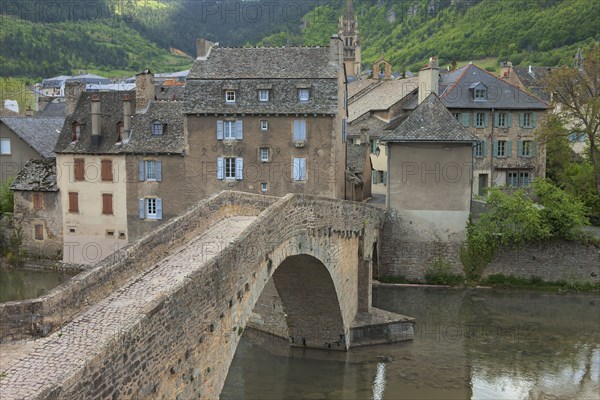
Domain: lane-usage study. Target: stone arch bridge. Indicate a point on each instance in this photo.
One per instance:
(162, 317)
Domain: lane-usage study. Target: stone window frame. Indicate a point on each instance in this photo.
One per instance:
(299, 169)
(264, 186)
(476, 121)
(501, 145)
(262, 152)
(264, 125)
(502, 120)
(150, 170)
(303, 95)
(262, 92)
(230, 96)
(38, 232)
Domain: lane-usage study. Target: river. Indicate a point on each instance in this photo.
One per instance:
(469, 344)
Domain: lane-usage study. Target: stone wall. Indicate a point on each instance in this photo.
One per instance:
(41, 316)
(552, 261)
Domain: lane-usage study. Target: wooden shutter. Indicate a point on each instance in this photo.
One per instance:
(534, 117)
(239, 130)
(384, 178)
(296, 169)
(495, 148)
(521, 120)
(141, 171)
(373, 176)
(39, 232)
(302, 168)
(219, 130)
(107, 203)
(79, 169)
(486, 118)
(509, 148)
(485, 147)
(159, 208)
(106, 170)
(142, 208)
(38, 201)
(220, 168)
(158, 169)
(509, 120)
(497, 119)
(533, 149)
(520, 148)
(73, 202)
(239, 168)
(465, 119)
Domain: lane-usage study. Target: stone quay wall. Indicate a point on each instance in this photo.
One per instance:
(41, 316)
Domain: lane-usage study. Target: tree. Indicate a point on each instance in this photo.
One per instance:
(576, 98)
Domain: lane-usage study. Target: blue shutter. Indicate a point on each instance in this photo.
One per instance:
(141, 173)
(533, 149)
(534, 124)
(486, 118)
(158, 164)
(465, 119)
(220, 168)
(373, 176)
(296, 169)
(520, 148)
(509, 123)
(384, 178)
(142, 208)
(158, 208)
(239, 130)
(219, 130)
(495, 148)
(521, 120)
(509, 148)
(239, 168)
(303, 168)
(497, 120)
(296, 130)
(485, 148)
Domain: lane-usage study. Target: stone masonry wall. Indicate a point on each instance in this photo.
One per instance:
(39, 317)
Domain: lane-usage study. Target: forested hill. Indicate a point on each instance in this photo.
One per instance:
(41, 39)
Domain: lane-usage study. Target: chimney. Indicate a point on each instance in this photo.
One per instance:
(364, 136)
(144, 90)
(73, 90)
(336, 46)
(429, 78)
(29, 112)
(95, 122)
(203, 48)
(505, 69)
(126, 118)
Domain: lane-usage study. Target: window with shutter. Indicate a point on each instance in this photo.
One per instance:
(79, 169)
(299, 169)
(39, 232)
(73, 202)
(239, 168)
(220, 168)
(38, 201)
(299, 130)
(229, 167)
(229, 129)
(107, 203)
(106, 170)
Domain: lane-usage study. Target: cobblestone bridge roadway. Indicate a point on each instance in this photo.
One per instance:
(33, 366)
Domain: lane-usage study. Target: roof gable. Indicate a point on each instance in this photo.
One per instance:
(41, 133)
(37, 175)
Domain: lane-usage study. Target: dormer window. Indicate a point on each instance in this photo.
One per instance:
(263, 95)
(119, 132)
(230, 96)
(479, 91)
(479, 94)
(303, 94)
(157, 128)
(76, 131)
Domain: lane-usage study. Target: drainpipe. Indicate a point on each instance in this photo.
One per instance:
(492, 182)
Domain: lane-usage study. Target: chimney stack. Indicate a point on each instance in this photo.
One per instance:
(364, 136)
(96, 137)
(29, 112)
(505, 69)
(429, 78)
(126, 118)
(144, 90)
(203, 48)
(336, 47)
(73, 90)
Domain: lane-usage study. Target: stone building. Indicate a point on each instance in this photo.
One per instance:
(348, 32)
(266, 120)
(26, 138)
(358, 172)
(37, 208)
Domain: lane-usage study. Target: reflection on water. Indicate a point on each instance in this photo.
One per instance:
(29, 284)
(479, 344)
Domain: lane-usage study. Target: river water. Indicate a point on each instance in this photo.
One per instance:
(24, 284)
(469, 344)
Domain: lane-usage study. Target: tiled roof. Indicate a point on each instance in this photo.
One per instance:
(534, 81)
(54, 109)
(265, 63)
(141, 140)
(41, 133)
(454, 91)
(373, 125)
(37, 175)
(208, 96)
(356, 156)
(429, 122)
(379, 97)
(5, 112)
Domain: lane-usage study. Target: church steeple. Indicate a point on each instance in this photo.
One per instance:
(348, 32)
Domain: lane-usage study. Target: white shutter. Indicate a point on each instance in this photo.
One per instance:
(141, 172)
(303, 129)
(158, 165)
(296, 130)
(303, 169)
(296, 169)
(219, 130)
(220, 168)
(239, 130)
(239, 168)
(158, 208)
(142, 208)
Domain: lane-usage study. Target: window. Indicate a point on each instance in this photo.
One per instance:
(157, 128)
(230, 96)
(575, 137)
(373, 145)
(303, 94)
(38, 200)
(299, 169)
(517, 179)
(526, 150)
(479, 120)
(382, 177)
(73, 202)
(229, 129)
(4, 146)
(230, 168)
(263, 95)
(150, 208)
(478, 150)
(527, 120)
(79, 169)
(264, 125)
(264, 154)
(106, 170)
(107, 204)
(39, 232)
(119, 132)
(299, 130)
(150, 170)
(502, 120)
(456, 115)
(524, 179)
(501, 148)
(76, 131)
(480, 94)
(263, 187)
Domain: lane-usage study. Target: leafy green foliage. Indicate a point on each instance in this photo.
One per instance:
(440, 273)
(564, 214)
(6, 197)
(536, 283)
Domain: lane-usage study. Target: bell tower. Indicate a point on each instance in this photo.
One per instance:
(348, 32)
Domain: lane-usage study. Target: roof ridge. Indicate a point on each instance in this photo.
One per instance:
(515, 86)
(455, 83)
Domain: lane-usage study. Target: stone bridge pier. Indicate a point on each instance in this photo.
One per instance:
(171, 329)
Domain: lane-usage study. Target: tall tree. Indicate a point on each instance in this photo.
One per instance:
(576, 98)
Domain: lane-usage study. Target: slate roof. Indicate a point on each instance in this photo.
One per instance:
(41, 133)
(454, 91)
(5, 112)
(356, 156)
(429, 122)
(172, 141)
(380, 97)
(265, 63)
(37, 175)
(534, 81)
(141, 139)
(373, 125)
(54, 109)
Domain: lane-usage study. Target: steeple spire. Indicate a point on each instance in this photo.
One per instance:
(349, 10)
(348, 32)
